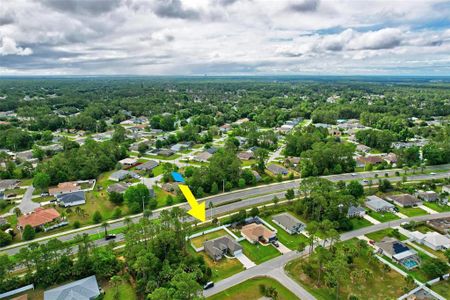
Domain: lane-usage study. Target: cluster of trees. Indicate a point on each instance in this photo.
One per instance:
(385, 121)
(304, 139)
(335, 268)
(324, 200)
(15, 139)
(165, 122)
(53, 263)
(328, 158)
(266, 139)
(82, 162)
(436, 153)
(224, 171)
(378, 139)
(138, 198)
(158, 259)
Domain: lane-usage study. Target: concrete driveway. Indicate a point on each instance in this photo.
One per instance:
(27, 205)
(245, 261)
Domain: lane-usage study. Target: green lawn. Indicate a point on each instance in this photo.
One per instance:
(412, 211)
(258, 253)
(437, 207)
(442, 288)
(358, 223)
(383, 217)
(223, 268)
(250, 290)
(381, 285)
(126, 291)
(379, 235)
(158, 170)
(289, 240)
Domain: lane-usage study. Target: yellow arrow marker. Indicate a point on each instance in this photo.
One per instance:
(197, 209)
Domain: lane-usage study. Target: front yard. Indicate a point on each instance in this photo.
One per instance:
(289, 240)
(250, 290)
(223, 268)
(377, 236)
(259, 253)
(412, 211)
(383, 217)
(437, 207)
(442, 288)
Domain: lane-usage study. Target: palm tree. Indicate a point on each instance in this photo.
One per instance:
(127, 221)
(105, 225)
(414, 169)
(211, 206)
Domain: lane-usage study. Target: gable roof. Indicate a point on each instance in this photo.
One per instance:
(64, 187)
(404, 199)
(276, 169)
(83, 289)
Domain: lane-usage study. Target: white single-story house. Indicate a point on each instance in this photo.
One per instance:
(434, 240)
(377, 204)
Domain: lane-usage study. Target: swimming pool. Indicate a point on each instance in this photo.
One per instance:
(410, 264)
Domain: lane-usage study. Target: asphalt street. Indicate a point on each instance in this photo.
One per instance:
(229, 202)
(275, 267)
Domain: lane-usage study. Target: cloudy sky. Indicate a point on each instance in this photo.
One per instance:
(224, 37)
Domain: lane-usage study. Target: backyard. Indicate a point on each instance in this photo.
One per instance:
(250, 290)
(442, 288)
(198, 241)
(223, 268)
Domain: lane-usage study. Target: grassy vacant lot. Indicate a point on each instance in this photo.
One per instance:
(126, 291)
(359, 223)
(223, 268)
(289, 240)
(442, 288)
(198, 241)
(383, 217)
(258, 253)
(412, 211)
(437, 207)
(379, 235)
(249, 290)
(382, 285)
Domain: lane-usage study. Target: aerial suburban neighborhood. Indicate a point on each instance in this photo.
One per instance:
(224, 150)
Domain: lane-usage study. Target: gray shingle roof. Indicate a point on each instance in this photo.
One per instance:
(149, 165)
(71, 197)
(288, 222)
(83, 289)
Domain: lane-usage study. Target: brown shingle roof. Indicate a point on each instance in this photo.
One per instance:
(254, 231)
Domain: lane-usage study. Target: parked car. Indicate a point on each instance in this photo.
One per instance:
(372, 242)
(45, 194)
(208, 285)
(110, 237)
(276, 244)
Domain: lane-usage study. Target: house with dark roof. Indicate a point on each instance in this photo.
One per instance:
(404, 200)
(277, 169)
(221, 246)
(148, 165)
(369, 160)
(289, 223)
(247, 155)
(71, 199)
(83, 289)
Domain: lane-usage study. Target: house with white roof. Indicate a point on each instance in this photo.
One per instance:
(433, 240)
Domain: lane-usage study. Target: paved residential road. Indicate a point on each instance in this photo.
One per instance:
(228, 202)
(275, 267)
